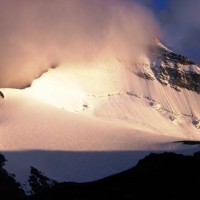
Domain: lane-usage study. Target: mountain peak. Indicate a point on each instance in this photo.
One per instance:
(159, 45)
(171, 69)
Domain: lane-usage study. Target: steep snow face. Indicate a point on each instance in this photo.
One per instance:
(145, 94)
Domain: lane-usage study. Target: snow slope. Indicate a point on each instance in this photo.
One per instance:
(84, 122)
(111, 91)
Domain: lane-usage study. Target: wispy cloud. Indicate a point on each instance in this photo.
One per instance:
(37, 34)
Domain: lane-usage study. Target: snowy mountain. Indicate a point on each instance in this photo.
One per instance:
(83, 122)
(160, 79)
(175, 70)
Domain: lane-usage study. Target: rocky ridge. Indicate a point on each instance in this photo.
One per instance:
(171, 69)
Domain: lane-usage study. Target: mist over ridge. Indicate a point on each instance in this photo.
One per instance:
(35, 35)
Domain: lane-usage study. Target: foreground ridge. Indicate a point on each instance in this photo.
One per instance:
(174, 171)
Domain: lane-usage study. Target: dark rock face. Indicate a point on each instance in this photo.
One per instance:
(1, 94)
(145, 76)
(196, 123)
(177, 79)
(168, 55)
(158, 176)
(9, 188)
(39, 182)
(175, 75)
(173, 69)
(189, 142)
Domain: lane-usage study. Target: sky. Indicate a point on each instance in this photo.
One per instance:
(180, 24)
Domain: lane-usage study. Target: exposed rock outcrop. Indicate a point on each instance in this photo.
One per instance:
(9, 187)
(171, 69)
(39, 182)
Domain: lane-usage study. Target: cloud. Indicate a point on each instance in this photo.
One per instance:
(37, 34)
